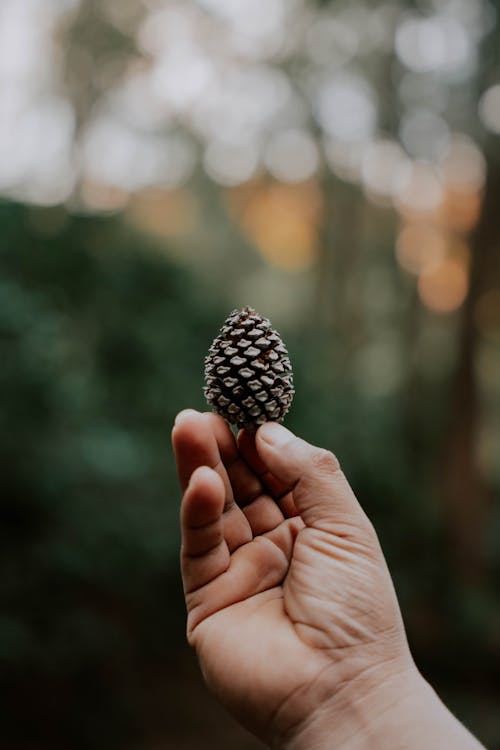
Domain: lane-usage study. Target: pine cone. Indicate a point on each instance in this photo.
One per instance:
(248, 373)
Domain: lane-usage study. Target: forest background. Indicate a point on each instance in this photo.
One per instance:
(335, 165)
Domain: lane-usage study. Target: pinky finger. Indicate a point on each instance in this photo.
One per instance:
(204, 552)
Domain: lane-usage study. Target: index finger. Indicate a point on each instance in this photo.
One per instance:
(194, 445)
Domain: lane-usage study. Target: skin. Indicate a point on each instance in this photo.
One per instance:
(291, 607)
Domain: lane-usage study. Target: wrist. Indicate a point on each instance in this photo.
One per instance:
(380, 709)
(343, 708)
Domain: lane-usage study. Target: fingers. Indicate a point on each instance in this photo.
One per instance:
(263, 515)
(204, 552)
(257, 567)
(259, 509)
(195, 444)
(245, 483)
(322, 494)
(248, 449)
(279, 490)
(206, 439)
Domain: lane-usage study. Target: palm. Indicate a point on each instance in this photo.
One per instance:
(258, 582)
(235, 597)
(253, 658)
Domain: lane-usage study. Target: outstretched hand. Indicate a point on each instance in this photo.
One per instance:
(290, 604)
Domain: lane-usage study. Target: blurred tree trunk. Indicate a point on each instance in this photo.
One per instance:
(464, 488)
(339, 245)
(324, 313)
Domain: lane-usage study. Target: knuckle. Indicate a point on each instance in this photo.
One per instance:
(325, 461)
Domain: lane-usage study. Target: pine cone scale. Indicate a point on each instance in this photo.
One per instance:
(248, 374)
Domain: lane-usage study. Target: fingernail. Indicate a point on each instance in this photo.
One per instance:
(275, 434)
(183, 414)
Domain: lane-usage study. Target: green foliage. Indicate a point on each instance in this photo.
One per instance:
(102, 342)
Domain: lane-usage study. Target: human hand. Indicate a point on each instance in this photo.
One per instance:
(291, 608)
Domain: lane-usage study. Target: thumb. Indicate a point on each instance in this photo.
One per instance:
(321, 492)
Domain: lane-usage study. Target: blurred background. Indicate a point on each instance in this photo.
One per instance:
(337, 166)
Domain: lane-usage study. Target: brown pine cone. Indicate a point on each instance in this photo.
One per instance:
(248, 374)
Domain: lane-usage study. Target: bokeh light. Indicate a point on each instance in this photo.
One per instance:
(123, 156)
(240, 103)
(489, 109)
(443, 287)
(231, 164)
(257, 27)
(420, 247)
(345, 159)
(37, 124)
(346, 108)
(438, 42)
(100, 197)
(282, 221)
(459, 210)
(181, 75)
(163, 212)
(424, 134)
(292, 156)
(383, 168)
(332, 41)
(418, 189)
(463, 166)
